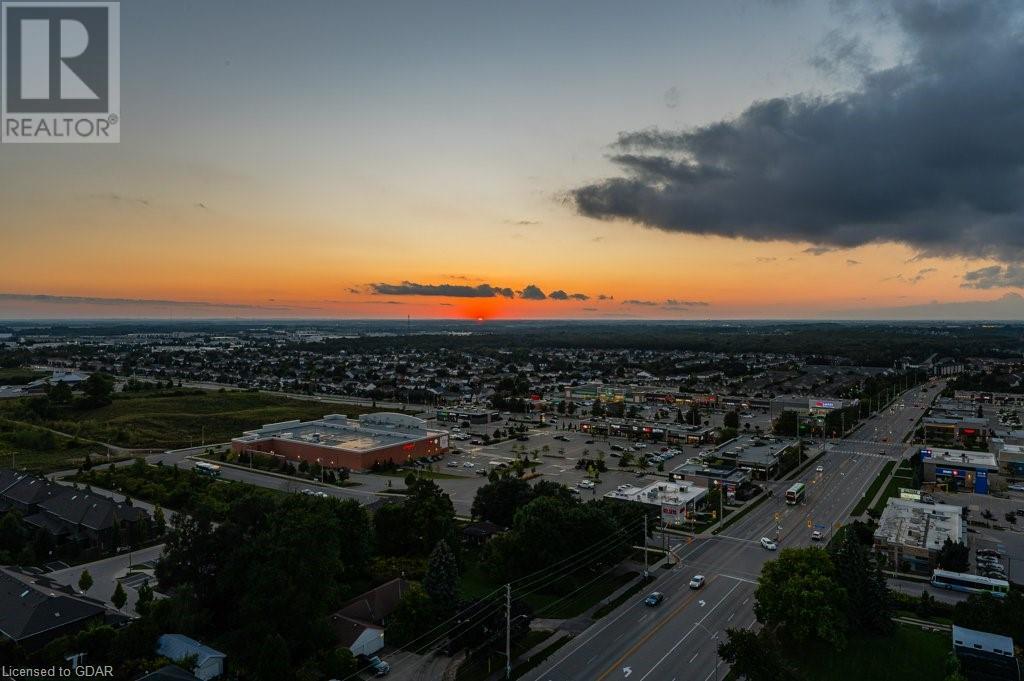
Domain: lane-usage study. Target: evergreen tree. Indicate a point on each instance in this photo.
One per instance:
(120, 597)
(159, 521)
(85, 581)
(441, 581)
(868, 602)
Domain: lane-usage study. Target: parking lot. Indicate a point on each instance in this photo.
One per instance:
(557, 453)
(1008, 540)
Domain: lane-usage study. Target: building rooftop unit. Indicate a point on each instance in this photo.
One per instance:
(660, 493)
(753, 450)
(917, 525)
(369, 432)
(729, 476)
(960, 457)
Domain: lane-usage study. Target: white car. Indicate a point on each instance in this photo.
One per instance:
(468, 464)
(768, 544)
(697, 582)
(820, 469)
(586, 484)
(816, 535)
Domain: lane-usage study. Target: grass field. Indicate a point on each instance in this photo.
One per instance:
(483, 666)
(182, 418)
(903, 477)
(865, 501)
(909, 654)
(38, 451)
(19, 376)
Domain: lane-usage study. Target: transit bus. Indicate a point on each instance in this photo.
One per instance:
(204, 468)
(961, 581)
(795, 494)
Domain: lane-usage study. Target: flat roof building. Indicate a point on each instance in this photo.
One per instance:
(677, 500)
(984, 656)
(959, 469)
(706, 476)
(965, 429)
(335, 441)
(911, 532)
(759, 455)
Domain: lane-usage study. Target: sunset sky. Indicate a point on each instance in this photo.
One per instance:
(691, 160)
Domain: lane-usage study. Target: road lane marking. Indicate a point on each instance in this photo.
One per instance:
(694, 657)
(646, 637)
(699, 622)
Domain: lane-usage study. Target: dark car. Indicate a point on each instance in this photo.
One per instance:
(589, 442)
(522, 438)
(654, 599)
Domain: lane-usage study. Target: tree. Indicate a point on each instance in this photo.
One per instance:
(731, 419)
(868, 604)
(954, 556)
(159, 522)
(98, 389)
(120, 597)
(415, 614)
(497, 501)
(693, 415)
(84, 581)
(800, 596)
(145, 599)
(753, 656)
(441, 582)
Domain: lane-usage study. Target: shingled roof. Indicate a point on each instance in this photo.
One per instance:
(27, 610)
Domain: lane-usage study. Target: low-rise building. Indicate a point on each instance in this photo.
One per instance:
(67, 514)
(676, 501)
(959, 470)
(474, 417)
(335, 441)
(33, 613)
(710, 476)
(965, 430)
(911, 533)
(984, 656)
(759, 455)
(1011, 460)
(209, 663)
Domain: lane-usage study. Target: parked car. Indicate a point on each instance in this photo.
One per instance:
(816, 535)
(697, 582)
(654, 599)
(589, 442)
(374, 663)
(768, 544)
(820, 469)
(468, 464)
(1016, 487)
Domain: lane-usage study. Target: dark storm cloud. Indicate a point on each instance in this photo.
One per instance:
(532, 292)
(928, 153)
(996, 276)
(408, 288)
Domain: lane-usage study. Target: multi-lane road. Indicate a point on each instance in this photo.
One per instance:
(678, 640)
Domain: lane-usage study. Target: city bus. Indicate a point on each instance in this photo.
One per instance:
(204, 468)
(795, 494)
(961, 581)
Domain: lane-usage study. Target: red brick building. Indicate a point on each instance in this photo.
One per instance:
(335, 441)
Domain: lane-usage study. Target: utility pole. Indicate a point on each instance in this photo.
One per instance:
(508, 631)
(645, 545)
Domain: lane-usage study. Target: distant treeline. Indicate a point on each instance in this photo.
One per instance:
(861, 343)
